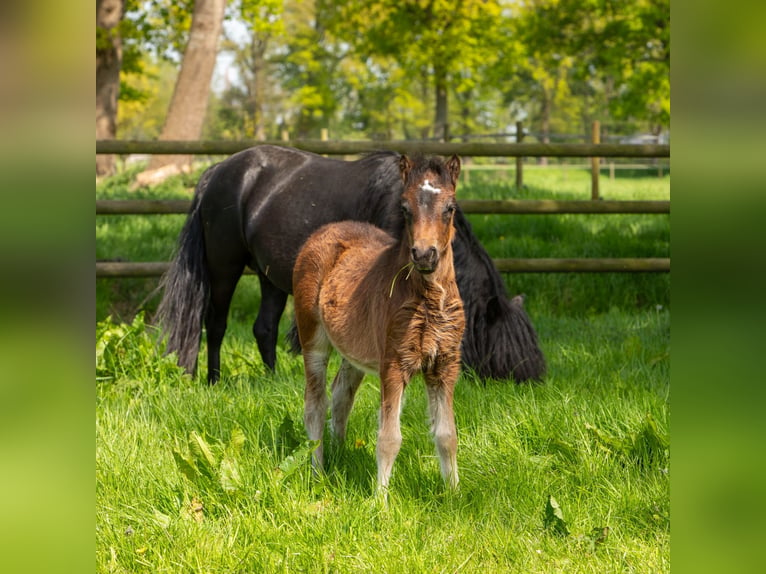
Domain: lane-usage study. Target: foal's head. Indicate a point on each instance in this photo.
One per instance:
(428, 205)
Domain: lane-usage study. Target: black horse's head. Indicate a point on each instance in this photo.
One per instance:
(502, 341)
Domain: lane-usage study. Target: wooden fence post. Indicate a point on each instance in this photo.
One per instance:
(519, 160)
(594, 169)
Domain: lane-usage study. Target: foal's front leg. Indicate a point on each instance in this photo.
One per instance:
(440, 406)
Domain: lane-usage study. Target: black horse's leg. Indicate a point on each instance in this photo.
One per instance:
(223, 281)
(266, 326)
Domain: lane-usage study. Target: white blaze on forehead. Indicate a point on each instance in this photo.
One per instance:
(426, 186)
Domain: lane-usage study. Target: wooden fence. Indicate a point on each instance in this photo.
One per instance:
(483, 149)
(517, 150)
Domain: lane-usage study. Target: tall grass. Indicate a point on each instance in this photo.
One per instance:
(593, 437)
(567, 476)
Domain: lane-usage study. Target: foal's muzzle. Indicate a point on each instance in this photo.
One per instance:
(425, 260)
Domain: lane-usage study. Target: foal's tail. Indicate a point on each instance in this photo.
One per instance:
(186, 288)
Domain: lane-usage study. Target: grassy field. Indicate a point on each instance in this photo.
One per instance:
(567, 476)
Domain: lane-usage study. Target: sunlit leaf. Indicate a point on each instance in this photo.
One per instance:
(554, 518)
(206, 461)
(298, 458)
(229, 475)
(185, 464)
(161, 518)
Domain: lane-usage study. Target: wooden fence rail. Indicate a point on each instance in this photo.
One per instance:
(356, 147)
(476, 206)
(113, 269)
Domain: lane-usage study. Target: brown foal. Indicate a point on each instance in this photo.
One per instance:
(388, 307)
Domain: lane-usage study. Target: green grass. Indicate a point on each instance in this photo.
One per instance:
(200, 479)
(594, 437)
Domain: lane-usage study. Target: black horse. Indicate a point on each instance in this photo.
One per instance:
(256, 209)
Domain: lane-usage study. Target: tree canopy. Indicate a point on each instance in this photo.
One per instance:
(395, 69)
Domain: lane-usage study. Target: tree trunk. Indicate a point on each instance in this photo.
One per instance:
(441, 127)
(108, 64)
(464, 102)
(425, 131)
(186, 114)
(258, 91)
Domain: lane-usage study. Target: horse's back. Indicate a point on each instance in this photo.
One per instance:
(270, 199)
(332, 242)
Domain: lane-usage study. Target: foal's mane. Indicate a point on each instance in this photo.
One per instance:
(422, 165)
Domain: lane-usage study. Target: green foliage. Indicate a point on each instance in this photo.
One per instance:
(121, 347)
(145, 95)
(646, 447)
(614, 56)
(375, 69)
(298, 459)
(157, 27)
(554, 518)
(211, 467)
(435, 44)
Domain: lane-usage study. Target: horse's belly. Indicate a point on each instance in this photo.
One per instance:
(350, 324)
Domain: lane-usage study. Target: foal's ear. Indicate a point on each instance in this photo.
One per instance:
(453, 166)
(405, 166)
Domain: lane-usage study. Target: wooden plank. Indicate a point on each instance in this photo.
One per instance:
(106, 269)
(622, 265)
(485, 206)
(111, 269)
(548, 206)
(141, 206)
(357, 147)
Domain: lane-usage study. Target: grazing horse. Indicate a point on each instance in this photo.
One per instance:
(257, 208)
(388, 306)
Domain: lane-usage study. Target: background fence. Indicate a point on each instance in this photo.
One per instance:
(517, 150)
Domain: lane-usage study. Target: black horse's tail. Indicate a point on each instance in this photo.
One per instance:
(186, 288)
(293, 340)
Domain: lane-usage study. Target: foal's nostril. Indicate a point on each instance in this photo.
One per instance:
(427, 255)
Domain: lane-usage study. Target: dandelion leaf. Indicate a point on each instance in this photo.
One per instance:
(554, 518)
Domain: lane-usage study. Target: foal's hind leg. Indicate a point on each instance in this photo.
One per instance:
(315, 354)
(266, 326)
(442, 417)
(344, 388)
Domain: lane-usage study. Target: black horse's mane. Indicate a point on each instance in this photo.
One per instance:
(382, 194)
(504, 339)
